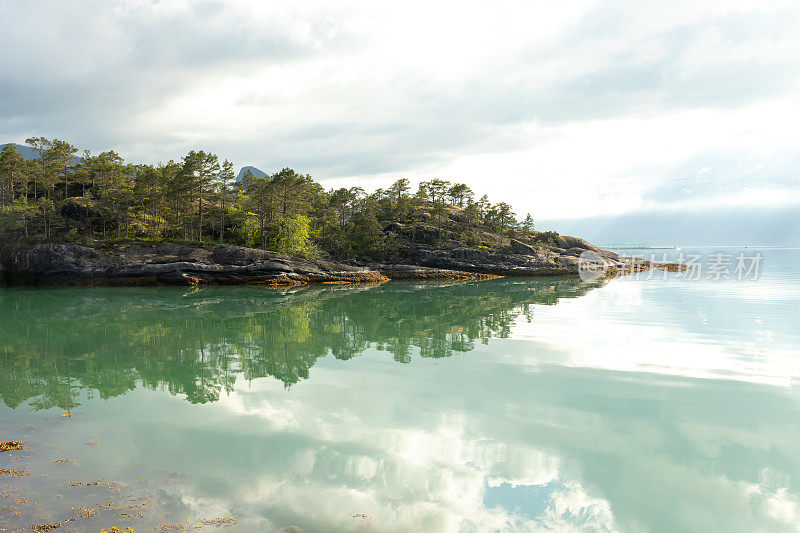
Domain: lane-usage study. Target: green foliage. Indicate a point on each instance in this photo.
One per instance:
(460, 194)
(197, 199)
(434, 190)
(527, 223)
(294, 237)
(249, 232)
(470, 238)
(548, 238)
(12, 166)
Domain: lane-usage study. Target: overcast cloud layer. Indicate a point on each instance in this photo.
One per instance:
(563, 109)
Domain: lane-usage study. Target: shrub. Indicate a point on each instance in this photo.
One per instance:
(549, 238)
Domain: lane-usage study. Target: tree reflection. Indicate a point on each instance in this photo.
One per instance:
(57, 344)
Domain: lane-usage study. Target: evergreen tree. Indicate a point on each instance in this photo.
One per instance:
(200, 170)
(225, 194)
(41, 146)
(62, 157)
(527, 224)
(12, 166)
(459, 194)
(198, 196)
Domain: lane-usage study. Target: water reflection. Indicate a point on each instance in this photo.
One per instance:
(620, 410)
(56, 343)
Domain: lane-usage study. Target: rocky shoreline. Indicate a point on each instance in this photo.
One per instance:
(178, 264)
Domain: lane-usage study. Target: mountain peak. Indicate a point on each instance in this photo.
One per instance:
(255, 171)
(26, 151)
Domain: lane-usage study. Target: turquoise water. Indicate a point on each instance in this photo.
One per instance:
(650, 404)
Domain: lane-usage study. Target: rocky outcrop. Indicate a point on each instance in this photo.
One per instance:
(520, 247)
(176, 264)
(168, 264)
(525, 260)
(403, 271)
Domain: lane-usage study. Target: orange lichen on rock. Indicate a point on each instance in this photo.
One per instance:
(45, 527)
(11, 445)
(10, 472)
(225, 521)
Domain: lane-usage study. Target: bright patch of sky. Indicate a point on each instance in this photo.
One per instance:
(563, 109)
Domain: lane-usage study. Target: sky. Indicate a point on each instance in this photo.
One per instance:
(566, 110)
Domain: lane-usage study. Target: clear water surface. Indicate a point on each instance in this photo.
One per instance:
(512, 404)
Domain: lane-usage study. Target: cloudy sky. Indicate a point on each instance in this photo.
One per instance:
(564, 109)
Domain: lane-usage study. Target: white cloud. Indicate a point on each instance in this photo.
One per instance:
(563, 109)
(435, 476)
(670, 348)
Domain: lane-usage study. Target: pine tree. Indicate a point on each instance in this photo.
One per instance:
(225, 182)
(62, 157)
(12, 166)
(527, 224)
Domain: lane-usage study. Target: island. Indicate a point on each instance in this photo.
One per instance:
(97, 220)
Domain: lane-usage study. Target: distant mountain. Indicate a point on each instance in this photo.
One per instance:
(755, 225)
(29, 154)
(26, 151)
(256, 172)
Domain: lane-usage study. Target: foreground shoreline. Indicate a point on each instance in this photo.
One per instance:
(185, 265)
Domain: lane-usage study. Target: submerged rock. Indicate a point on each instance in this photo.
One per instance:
(11, 445)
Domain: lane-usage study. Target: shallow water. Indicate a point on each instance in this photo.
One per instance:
(649, 404)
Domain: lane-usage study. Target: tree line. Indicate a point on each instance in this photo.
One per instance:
(61, 194)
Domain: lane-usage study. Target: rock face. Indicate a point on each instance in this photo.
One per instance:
(176, 264)
(525, 260)
(396, 271)
(521, 248)
(168, 264)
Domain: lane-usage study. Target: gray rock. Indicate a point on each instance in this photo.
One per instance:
(168, 264)
(567, 242)
(575, 251)
(402, 271)
(567, 261)
(176, 264)
(483, 262)
(521, 248)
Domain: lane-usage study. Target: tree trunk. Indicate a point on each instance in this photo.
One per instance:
(222, 226)
(200, 221)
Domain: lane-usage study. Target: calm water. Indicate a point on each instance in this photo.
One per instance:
(515, 404)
